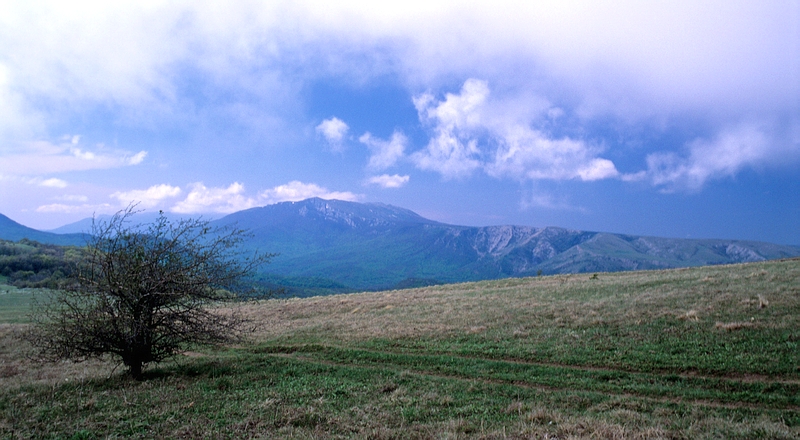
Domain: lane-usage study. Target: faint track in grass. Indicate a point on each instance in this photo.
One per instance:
(637, 379)
(730, 377)
(538, 387)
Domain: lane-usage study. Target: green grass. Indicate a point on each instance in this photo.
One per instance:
(707, 352)
(15, 304)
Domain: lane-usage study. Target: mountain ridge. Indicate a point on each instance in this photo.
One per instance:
(328, 246)
(343, 241)
(13, 231)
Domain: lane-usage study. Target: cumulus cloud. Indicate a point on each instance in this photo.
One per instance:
(150, 197)
(42, 157)
(220, 200)
(525, 153)
(384, 153)
(456, 112)
(471, 132)
(723, 156)
(225, 200)
(295, 191)
(199, 199)
(387, 181)
(449, 156)
(334, 131)
(451, 151)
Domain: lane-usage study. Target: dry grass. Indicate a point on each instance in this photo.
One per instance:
(511, 306)
(17, 367)
(731, 326)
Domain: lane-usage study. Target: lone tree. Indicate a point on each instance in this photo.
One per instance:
(146, 292)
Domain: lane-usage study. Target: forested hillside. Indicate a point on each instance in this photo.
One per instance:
(27, 263)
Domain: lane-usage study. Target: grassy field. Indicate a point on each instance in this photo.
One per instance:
(16, 303)
(707, 352)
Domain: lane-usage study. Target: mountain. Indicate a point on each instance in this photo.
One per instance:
(144, 217)
(350, 245)
(332, 246)
(13, 231)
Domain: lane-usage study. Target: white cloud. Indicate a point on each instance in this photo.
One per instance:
(627, 63)
(220, 200)
(295, 191)
(471, 131)
(201, 199)
(524, 153)
(384, 153)
(724, 156)
(334, 131)
(452, 151)
(43, 157)
(53, 183)
(387, 181)
(150, 197)
(83, 155)
(61, 208)
(233, 198)
(99, 48)
(128, 51)
(449, 156)
(625, 57)
(136, 159)
(38, 181)
(456, 112)
(598, 169)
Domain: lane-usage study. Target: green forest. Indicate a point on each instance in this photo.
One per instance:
(27, 263)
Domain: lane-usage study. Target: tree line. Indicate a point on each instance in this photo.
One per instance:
(27, 263)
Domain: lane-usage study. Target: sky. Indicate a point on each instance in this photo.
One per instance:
(661, 118)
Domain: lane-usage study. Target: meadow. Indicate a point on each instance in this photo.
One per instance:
(708, 352)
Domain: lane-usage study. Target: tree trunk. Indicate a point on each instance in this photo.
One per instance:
(135, 370)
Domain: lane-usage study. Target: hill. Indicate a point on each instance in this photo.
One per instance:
(707, 353)
(13, 231)
(374, 246)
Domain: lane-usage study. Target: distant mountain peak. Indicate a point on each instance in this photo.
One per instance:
(340, 212)
(342, 208)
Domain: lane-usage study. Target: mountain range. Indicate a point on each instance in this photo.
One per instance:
(327, 246)
(13, 231)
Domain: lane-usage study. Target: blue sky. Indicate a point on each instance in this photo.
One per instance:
(677, 119)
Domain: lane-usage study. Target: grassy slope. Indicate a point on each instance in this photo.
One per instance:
(707, 352)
